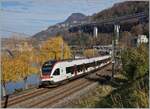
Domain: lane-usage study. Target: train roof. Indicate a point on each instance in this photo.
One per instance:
(68, 60)
(50, 62)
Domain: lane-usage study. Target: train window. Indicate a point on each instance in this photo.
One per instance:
(87, 65)
(57, 72)
(69, 69)
(47, 67)
(80, 67)
(93, 64)
(104, 60)
(99, 62)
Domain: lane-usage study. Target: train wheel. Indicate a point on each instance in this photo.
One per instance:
(64, 82)
(40, 86)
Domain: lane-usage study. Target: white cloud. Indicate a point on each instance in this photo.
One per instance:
(31, 16)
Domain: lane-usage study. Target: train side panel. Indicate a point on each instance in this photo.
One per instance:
(70, 69)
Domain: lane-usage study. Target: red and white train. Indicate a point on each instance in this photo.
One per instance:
(58, 71)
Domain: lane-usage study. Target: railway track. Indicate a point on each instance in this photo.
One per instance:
(47, 97)
(15, 99)
(31, 98)
(65, 94)
(54, 98)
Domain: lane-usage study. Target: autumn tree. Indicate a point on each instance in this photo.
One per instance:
(27, 62)
(6, 73)
(90, 53)
(11, 68)
(125, 40)
(55, 48)
(20, 66)
(103, 39)
(136, 30)
(52, 49)
(146, 30)
(27, 65)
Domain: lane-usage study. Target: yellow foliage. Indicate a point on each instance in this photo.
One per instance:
(18, 67)
(10, 69)
(54, 48)
(27, 61)
(6, 72)
(90, 53)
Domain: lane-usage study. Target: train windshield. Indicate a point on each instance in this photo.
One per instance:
(47, 67)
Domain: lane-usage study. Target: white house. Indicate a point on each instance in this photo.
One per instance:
(136, 41)
(142, 39)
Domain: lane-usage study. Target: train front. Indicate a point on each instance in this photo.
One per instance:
(46, 73)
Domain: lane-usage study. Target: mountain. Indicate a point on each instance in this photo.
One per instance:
(61, 28)
(75, 17)
(117, 10)
(122, 9)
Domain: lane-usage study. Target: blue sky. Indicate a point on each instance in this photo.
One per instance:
(32, 16)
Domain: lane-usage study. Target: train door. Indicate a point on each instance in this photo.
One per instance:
(69, 71)
(75, 70)
(56, 75)
(63, 73)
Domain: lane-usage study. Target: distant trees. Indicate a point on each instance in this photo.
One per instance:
(104, 39)
(90, 53)
(136, 30)
(146, 29)
(125, 39)
(86, 40)
(123, 8)
(81, 39)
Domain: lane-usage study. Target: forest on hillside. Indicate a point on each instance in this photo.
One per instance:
(123, 8)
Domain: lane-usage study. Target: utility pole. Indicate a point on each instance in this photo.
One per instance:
(62, 50)
(95, 32)
(81, 41)
(114, 43)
